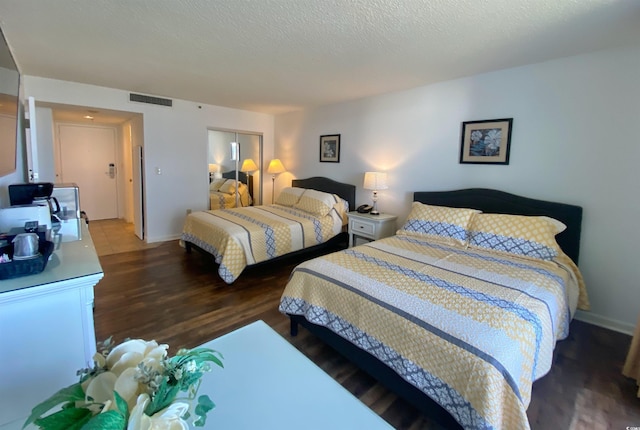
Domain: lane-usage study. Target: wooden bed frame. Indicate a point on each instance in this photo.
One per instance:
(491, 201)
(346, 191)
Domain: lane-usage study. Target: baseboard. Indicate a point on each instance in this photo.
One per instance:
(600, 321)
(163, 238)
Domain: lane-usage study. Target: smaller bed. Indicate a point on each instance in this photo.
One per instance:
(222, 191)
(309, 215)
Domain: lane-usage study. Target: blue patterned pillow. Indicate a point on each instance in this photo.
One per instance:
(526, 236)
(438, 222)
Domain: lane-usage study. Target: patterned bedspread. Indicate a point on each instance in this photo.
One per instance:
(471, 329)
(243, 236)
(218, 200)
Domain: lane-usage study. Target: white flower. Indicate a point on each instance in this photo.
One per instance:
(190, 366)
(132, 352)
(122, 363)
(170, 418)
(100, 390)
(99, 359)
(136, 371)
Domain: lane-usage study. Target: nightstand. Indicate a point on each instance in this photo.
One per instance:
(372, 227)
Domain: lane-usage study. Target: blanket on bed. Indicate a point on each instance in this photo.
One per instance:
(471, 329)
(242, 236)
(219, 200)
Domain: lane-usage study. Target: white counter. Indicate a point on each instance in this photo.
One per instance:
(46, 328)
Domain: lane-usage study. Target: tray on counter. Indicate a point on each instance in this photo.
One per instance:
(30, 266)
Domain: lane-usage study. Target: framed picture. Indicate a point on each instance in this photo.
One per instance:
(486, 142)
(330, 148)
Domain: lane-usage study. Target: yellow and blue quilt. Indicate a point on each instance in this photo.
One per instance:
(470, 328)
(243, 236)
(220, 200)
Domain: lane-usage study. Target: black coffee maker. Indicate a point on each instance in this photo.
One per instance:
(38, 193)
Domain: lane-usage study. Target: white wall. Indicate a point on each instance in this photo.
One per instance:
(19, 175)
(12, 178)
(575, 140)
(175, 141)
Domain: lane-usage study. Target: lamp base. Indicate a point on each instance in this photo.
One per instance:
(374, 210)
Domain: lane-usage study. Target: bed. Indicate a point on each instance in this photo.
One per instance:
(222, 191)
(459, 312)
(309, 215)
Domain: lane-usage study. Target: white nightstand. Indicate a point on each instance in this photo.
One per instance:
(372, 227)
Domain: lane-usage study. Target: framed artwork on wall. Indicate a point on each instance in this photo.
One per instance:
(486, 142)
(330, 148)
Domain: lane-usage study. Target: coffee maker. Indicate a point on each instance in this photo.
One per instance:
(35, 194)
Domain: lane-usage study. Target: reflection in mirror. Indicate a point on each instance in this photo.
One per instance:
(9, 87)
(222, 167)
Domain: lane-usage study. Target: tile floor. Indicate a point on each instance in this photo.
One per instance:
(112, 236)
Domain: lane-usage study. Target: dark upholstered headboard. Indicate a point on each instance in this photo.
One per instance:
(494, 201)
(346, 191)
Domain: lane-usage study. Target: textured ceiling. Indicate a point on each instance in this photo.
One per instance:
(280, 55)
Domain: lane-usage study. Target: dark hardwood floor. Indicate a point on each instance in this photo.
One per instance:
(177, 298)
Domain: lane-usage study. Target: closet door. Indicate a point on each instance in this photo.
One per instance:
(250, 145)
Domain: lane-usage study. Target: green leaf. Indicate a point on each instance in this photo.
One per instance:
(204, 405)
(64, 419)
(162, 398)
(71, 393)
(122, 405)
(110, 420)
(200, 355)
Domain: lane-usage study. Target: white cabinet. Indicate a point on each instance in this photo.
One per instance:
(46, 329)
(372, 227)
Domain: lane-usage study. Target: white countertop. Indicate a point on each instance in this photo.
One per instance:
(69, 260)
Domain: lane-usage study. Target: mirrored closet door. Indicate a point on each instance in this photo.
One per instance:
(222, 167)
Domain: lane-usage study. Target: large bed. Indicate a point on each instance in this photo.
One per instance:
(459, 312)
(309, 215)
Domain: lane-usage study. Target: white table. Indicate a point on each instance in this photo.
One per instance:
(267, 383)
(372, 227)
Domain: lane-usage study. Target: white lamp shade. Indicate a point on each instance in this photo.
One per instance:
(248, 165)
(375, 181)
(214, 168)
(275, 166)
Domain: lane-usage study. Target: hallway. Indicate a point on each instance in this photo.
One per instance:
(113, 236)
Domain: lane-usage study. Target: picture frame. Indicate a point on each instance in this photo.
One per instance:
(330, 148)
(486, 141)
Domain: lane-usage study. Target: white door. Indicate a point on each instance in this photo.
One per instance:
(88, 158)
(138, 195)
(31, 138)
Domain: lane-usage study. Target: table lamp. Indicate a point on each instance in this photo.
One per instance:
(375, 181)
(214, 171)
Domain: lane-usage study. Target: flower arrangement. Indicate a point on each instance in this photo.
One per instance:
(132, 386)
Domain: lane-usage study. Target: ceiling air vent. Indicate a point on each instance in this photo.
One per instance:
(150, 100)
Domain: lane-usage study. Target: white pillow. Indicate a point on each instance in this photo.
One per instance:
(289, 196)
(216, 184)
(316, 202)
(229, 187)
